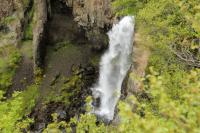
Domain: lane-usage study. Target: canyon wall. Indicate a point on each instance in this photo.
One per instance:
(95, 16)
(13, 18)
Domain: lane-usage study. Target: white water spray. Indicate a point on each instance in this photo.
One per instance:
(113, 67)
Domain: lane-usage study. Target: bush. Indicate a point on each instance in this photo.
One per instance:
(14, 111)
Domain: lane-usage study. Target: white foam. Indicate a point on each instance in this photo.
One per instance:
(114, 66)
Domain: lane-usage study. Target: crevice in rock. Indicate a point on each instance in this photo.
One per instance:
(61, 26)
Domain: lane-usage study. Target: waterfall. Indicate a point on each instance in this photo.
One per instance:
(113, 67)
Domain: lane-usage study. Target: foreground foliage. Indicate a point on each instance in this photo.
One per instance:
(156, 112)
(14, 111)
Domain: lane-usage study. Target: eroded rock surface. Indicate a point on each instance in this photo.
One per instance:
(91, 13)
(6, 8)
(12, 20)
(39, 32)
(95, 16)
(140, 58)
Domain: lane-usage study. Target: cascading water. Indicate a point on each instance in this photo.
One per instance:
(113, 67)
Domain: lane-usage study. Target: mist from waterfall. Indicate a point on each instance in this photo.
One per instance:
(113, 67)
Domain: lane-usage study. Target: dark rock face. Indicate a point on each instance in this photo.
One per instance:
(61, 26)
(95, 16)
(91, 13)
(39, 32)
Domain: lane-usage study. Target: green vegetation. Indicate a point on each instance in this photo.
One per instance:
(83, 123)
(9, 59)
(7, 20)
(28, 33)
(95, 60)
(70, 87)
(161, 112)
(14, 111)
(157, 112)
(26, 48)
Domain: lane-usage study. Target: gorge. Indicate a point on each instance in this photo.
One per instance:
(66, 39)
(89, 66)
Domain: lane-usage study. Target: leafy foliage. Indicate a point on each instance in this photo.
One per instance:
(157, 112)
(14, 110)
(80, 124)
(163, 113)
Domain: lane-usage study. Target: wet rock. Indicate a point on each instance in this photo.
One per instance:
(96, 102)
(61, 114)
(41, 126)
(55, 78)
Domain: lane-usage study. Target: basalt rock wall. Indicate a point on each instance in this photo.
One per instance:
(95, 16)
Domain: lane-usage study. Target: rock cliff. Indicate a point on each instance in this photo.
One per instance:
(13, 18)
(95, 16)
(6, 8)
(39, 32)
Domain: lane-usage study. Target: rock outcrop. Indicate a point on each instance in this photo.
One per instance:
(12, 21)
(39, 32)
(6, 8)
(95, 16)
(140, 58)
(91, 13)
